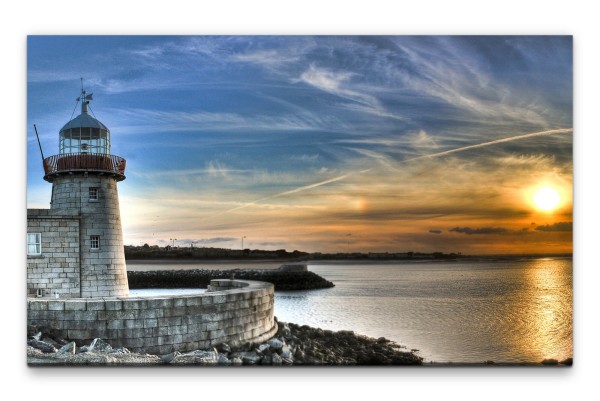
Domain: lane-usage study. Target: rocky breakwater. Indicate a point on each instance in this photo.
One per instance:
(282, 279)
(293, 345)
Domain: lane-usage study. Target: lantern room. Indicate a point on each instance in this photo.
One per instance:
(84, 134)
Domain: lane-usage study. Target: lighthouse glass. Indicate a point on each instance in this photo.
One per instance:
(84, 140)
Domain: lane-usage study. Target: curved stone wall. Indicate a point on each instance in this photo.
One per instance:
(231, 311)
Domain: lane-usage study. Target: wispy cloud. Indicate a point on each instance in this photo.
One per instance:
(565, 226)
(143, 120)
(483, 230)
(498, 141)
(338, 83)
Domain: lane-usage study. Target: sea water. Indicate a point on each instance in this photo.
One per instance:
(506, 311)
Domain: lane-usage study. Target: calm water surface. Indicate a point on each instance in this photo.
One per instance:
(504, 311)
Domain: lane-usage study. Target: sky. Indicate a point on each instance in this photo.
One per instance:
(322, 143)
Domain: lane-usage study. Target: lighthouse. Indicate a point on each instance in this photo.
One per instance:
(77, 245)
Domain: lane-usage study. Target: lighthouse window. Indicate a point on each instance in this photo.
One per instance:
(93, 194)
(34, 243)
(95, 242)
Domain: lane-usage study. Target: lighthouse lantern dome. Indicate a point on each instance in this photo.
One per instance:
(84, 133)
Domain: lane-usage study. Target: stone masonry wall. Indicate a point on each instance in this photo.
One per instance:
(103, 270)
(56, 270)
(231, 311)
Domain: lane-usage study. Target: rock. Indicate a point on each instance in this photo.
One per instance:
(286, 352)
(121, 351)
(275, 344)
(37, 336)
(99, 345)
(237, 361)
(266, 360)
(285, 331)
(247, 357)
(276, 360)
(223, 360)
(262, 348)
(42, 346)
(168, 358)
(300, 354)
(52, 342)
(83, 349)
(223, 348)
(198, 357)
(67, 349)
(251, 358)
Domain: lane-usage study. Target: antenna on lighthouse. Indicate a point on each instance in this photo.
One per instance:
(38, 138)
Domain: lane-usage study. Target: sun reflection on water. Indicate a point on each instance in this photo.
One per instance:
(547, 312)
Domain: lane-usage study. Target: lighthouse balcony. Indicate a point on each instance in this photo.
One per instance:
(70, 163)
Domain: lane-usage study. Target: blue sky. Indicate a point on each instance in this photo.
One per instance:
(317, 142)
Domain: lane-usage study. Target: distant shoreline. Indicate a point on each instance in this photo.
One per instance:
(276, 263)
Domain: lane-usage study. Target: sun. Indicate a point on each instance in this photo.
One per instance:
(546, 198)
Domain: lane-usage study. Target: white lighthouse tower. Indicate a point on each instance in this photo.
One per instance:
(84, 178)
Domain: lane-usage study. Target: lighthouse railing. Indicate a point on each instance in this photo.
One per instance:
(84, 162)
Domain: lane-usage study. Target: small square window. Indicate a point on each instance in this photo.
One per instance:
(93, 194)
(95, 242)
(34, 243)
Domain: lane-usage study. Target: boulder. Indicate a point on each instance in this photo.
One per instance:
(99, 345)
(262, 348)
(299, 354)
(67, 349)
(285, 331)
(276, 360)
(223, 360)
(168, 358)
(121, 351)
(286, 352)
(248, 358)
(275, 344)
(42, 346)
(223, 348)
(198, 357)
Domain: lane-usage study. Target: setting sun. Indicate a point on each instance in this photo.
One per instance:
(546, 198)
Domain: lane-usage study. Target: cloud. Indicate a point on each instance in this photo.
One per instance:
(490, 230)
(484, 230)
(271, 243)
(503, 140)
(136, 121)
(423, 140)
(435, 231)
(565, 226)
(305, 158)
(267, 58)
(215, 240)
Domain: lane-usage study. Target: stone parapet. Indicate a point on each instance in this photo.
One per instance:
(233, 312)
